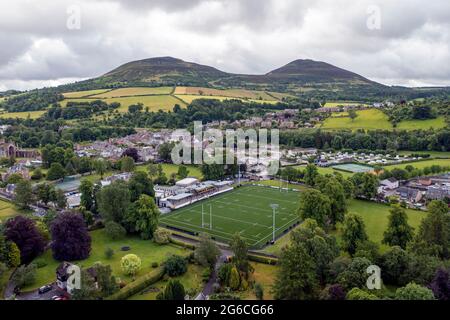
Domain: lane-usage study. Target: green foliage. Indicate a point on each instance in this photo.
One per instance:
(114, 230)
(175, 266)
(140, 184)
(23, 194)
(161, 236)
(109, 253)
(113, 201)
(414, 291)
(207, 251)
(240, 255)
(366, 185)
(332, 187)
(235, 279)
(353, 232)
(56, 172)
(130, 264)
(127, 164)
(24, 275)
(87, 194)
(183, 172)
(314, 205)
(359, 294)
(311, 173)
(355, 276)
(142, 217)
(399, 233)
(259, 291)
(223, 274)
(174, 290)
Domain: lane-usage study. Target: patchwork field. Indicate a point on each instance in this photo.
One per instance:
(342, 103)
(138, 91)
(230, 93)
(188, 98)
(82, 94)
(245, 210)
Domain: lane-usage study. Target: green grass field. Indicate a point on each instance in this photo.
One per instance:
(370, 119)
(188, 98)
(22, 115)
(245, 210)
(147, 250)
(437, 123)
(433, 154)
(328, 170)
(81, 94)
(342, 103)
(7, 210)
(230, 93)
(420, 164)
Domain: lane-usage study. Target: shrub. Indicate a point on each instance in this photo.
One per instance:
(130, 264)
(161, 236)
(224, 274)
(114, 230)
(359, 294)
(155, 264)
(175, 266)
(25, 275)
(174, 290)
(109, 253)
(234, 279)
(259, 291)
(414, 291)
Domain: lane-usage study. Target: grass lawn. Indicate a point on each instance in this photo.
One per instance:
(342, 103)
(420, 164)
(328, 170)
(433, 154)
(245, 210)
(191, 280)
(170, 168)
(276, 183)
(81, 94)
(22, 115)
(437, 123)
(367, 119)
(7, 210)
(4, 281)
(188, 98)
(137, 91)
(375, 217)
(147, 250)
(265, 275)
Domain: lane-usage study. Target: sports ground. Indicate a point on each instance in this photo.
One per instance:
(245, 210)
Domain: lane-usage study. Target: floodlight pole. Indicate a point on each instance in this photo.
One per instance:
(274, 208)
(210, 217)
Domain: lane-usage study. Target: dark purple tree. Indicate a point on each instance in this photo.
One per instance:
(132, 153)
(71, 239)
(23, 232)
(336, 292)
(441, 285)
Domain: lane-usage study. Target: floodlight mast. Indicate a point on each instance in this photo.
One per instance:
(274, 207)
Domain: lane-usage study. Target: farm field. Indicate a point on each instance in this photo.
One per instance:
(420, 164)
(370, 119)
(433, 154)
(169, 168)
(147, 250)
(81, 94)
(188, 98)
(137, 91)
(328, 170)
(191, 280)
(22, 115)
(231, 93)
(437, 123)
(245, 210)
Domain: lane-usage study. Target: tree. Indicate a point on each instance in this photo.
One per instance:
(223, 274)
(23, 232)
(130, 264)
(183, 172)
(71, 239)
(207, 252)
(414, 291)
(175, 266)
(60, 199)
(100, 166)
(114, 230)
(259, 291)
(441, 285)
(113, 201)
(354, 231)
(25, 275)
(398, 233)
(106, 282)
(142, 217)
(45, 192)
(165, 151)
(87, 194)
(366, 185)
(311, 173)
(355, 276)
(161, 236)
(174, 290)
(240, 255)
(333, 292)
(37, 174)
(235, 280)
(127, 164)
(352, 114)
(313, 204)
(23, 194)
(56, 172)
(132, 153)
(140, 184)
(152, 170)
(433, 237)
(332, 188)
(88, 289)
(296, 277)
(394, 264)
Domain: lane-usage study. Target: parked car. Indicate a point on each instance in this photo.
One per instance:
(45, 289)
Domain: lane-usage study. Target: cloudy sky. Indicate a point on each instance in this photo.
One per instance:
(48, 42)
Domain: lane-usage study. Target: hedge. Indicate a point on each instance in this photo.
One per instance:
(182, 243)
(138, 285)
(262, 259)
